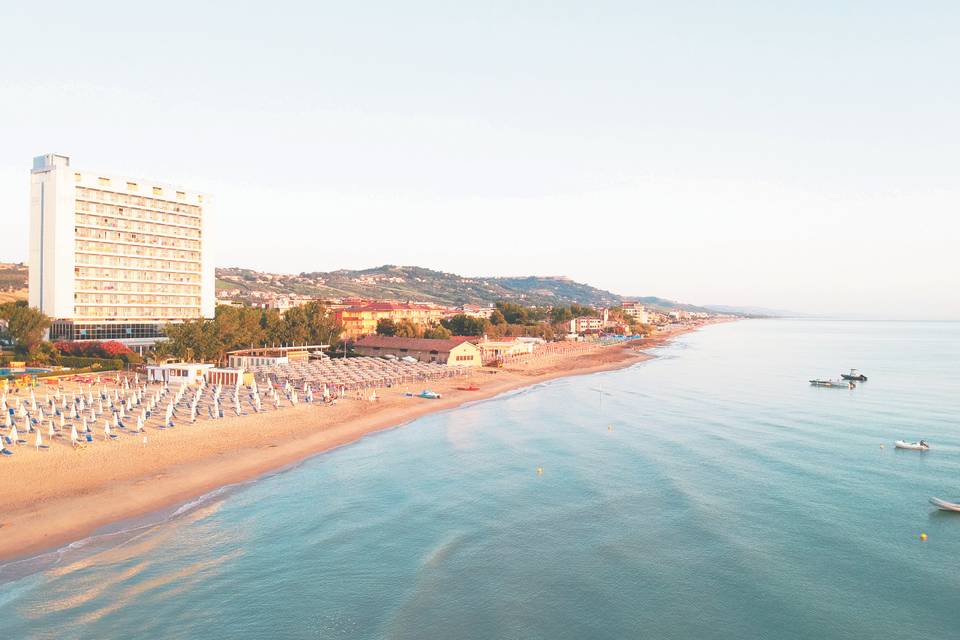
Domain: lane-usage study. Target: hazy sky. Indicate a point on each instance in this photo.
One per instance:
(801, 157)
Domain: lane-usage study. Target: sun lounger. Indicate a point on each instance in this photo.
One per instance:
(6, 452)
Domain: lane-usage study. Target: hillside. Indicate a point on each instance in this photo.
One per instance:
(663, 304)
(396, 283)
(419, 284)
(13, 282)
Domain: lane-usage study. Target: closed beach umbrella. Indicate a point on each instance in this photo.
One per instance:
(73, 433)
(106, 429)
(51, 432)
(13, 435)
(39, 440)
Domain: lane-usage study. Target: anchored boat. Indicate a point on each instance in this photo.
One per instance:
(854, 375)
(913, 446)
(834, 384)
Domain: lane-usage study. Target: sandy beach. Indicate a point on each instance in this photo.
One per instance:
(64, 494)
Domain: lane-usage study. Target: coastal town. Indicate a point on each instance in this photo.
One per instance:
(126, 362)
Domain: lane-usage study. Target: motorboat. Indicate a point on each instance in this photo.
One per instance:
(943, 505)
(913, 446)
(430, 395)
(835, 384)
(854, 375)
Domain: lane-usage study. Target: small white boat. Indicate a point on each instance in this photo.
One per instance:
(913, 446)
(943, 505)
(834, 384)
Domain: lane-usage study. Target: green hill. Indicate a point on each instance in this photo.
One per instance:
(419, 284)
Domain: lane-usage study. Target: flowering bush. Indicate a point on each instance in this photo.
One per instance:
(112, 350)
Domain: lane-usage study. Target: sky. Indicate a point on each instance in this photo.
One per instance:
(798, 156)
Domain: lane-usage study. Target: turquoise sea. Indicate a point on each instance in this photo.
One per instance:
(710, 493)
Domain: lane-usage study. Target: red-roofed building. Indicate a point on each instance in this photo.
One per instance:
(362, 320)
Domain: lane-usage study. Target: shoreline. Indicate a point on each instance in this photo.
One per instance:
(69, 495)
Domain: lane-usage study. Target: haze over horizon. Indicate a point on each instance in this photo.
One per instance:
(798, 158)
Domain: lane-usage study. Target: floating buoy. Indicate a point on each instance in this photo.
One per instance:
(539, 471)
(923, 536)
(881, 446)
(610, 427)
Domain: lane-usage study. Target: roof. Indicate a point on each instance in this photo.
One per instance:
(394, 306)
(414, 344)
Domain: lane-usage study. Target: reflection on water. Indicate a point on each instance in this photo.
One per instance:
(710, 494)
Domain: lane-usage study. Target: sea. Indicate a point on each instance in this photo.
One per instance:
(711, 492)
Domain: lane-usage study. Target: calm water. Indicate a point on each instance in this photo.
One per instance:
(730, 500)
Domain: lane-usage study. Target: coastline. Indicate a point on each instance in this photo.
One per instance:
(68, 495)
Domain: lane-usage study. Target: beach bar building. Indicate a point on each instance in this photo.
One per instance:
(454, 352)
(177, 372)
(272, 356)
(228, 377)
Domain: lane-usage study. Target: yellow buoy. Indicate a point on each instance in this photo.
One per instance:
(923, 536)
(539, 471)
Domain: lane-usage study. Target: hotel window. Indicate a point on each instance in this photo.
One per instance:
(131, 186)
(104, 181)
(157, 191)
(181, 195)
(77, 177)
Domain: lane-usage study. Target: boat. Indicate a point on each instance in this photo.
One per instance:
(913, 446)
(943, 505)
(472, 387)
(854, 375)
(835, 384)
(430, 395)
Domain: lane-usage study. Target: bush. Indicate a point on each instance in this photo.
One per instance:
(110, 350)
(98, 364)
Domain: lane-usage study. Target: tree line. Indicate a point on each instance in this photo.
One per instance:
(234, 328)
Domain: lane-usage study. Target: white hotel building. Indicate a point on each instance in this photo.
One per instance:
(116, 258)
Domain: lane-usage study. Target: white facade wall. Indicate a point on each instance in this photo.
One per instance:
(51, 254)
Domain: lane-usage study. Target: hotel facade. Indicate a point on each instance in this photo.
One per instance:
(116, 258)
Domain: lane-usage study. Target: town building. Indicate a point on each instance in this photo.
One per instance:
(362, 320)
(454, 352)
(636, 311)
(116, 258)
(476, 311)
(586, 324)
